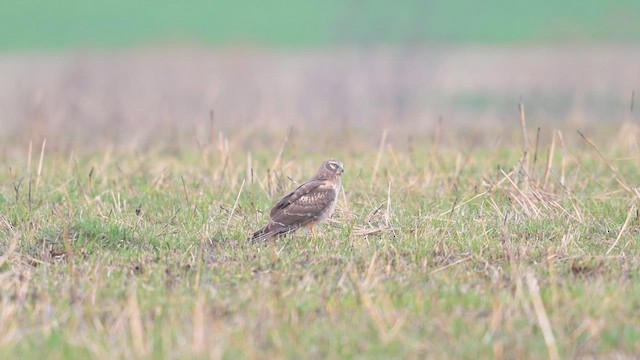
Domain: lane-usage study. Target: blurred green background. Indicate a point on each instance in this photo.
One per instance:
(64, 24)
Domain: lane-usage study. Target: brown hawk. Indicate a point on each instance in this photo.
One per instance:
(308, 204)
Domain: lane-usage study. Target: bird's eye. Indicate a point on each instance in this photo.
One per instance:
(333, 166)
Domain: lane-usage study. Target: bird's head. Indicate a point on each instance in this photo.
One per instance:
(331, 167)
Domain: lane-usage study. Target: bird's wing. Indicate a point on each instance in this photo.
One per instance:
(296, 194)
(304, 204)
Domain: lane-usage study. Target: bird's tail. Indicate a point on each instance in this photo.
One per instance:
(271, 230)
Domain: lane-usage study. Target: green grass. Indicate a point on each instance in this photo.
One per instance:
(72, 24)
(121, 255)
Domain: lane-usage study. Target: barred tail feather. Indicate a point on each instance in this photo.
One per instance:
(271, 230)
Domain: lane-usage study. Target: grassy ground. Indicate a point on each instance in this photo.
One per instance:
(438, 248)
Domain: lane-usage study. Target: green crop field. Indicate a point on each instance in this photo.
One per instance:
(72, 24)
(507, 249)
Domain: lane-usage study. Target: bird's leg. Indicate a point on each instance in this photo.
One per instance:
(313, 232)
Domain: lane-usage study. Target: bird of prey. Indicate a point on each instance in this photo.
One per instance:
(308, 204)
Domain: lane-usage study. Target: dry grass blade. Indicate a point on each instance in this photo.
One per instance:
(543, 319)
(456, 206)
(473, 198)
(383, 141)
(611, 167)
(235, 205)
(529, 206)
(457, 262)
(364, 231)
(632, 210)
(44, 144)
(547, 170)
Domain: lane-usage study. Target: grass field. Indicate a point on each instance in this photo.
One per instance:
(436, 249)
(124, 235)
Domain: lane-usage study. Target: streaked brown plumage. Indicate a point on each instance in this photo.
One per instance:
(308, 204)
